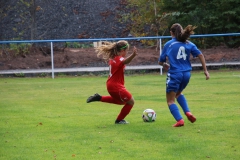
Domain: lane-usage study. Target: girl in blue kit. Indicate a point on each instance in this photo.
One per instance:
(177, 51)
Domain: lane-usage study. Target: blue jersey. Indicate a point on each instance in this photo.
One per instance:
(178, 54)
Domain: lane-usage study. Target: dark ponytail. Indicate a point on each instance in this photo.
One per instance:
(182, 34)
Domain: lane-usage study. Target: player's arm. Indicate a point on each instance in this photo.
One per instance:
(202, 59)
(130, 58)
(162, 59)
(164, 64)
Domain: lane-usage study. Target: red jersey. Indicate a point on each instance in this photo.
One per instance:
(115, 80)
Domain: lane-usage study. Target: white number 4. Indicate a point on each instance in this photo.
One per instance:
(181, 53)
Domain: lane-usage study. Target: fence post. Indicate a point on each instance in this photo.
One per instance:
(160, 50)
(52, 60)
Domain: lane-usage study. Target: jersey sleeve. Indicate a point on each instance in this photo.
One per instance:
(120, 61)
(195, 51)
(163, 56)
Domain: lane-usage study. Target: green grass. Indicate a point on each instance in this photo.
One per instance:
(45, 119)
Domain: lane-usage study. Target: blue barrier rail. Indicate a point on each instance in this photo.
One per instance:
(111, 39)
(115, 39)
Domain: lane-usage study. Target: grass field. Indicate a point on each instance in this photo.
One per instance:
(47, 119)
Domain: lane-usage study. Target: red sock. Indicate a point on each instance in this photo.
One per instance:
(124, 112)
(109, 99)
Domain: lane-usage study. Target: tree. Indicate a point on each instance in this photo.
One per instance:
(154, 17)
(144, 18)
(33, 18)
(32, 8)
(215, 16)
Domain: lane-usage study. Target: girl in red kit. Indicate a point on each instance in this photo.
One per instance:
(114, 54)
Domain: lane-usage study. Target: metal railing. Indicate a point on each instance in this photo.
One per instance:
(110, 39)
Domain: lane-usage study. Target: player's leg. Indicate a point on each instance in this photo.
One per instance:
(111, 99)
(174, 109)
(182, 102)
(181, 98)
(106, 99)
(172, 85)
(126, 97)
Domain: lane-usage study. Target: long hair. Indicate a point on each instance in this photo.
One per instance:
(182, 34)
(109, 50)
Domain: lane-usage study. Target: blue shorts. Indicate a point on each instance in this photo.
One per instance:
(177, 82)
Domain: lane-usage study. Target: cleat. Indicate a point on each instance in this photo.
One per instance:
(95, 97)
(121, 122)
(190, 117)
(179, 123)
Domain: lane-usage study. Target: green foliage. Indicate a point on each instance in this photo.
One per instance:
(19, 74)
(211, 17)
(41, 118)
(43, 75)
(20, 49)
(78, 45)
(61, 74)
(144, 19)
(216, 16)
(208, 42)
(27, 4)
(26, 11)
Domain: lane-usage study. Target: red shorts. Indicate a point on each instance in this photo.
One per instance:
(121, 95)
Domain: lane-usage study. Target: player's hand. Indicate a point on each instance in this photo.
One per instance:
(207, 75)
(166, 66)
(134, 51)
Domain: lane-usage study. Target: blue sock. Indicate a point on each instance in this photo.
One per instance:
(183, 103)
(175, 112)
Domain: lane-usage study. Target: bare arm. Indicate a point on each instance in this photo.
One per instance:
(202, 59)
(130, 58)
(164, 64)
(160, 63)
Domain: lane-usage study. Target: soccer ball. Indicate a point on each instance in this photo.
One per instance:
(149, 115)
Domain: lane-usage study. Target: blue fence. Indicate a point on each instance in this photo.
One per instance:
(116, 39)
(110, 39)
